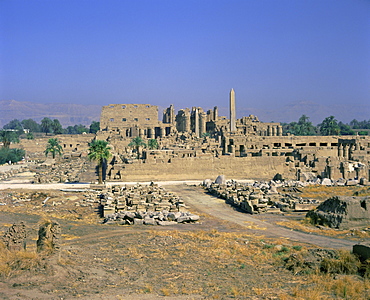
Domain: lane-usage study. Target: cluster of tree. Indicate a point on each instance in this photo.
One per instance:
(48, 125)
(138, 142)
(360, 124)
(6, 154)
(329, 126)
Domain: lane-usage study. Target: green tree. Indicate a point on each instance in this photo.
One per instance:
(100, 152)
(329, 126)
(345, 129)
(7, 137)
(14, 124)
(302, 127)
(53, 147)
(31, 125)
(137, 142)
(11, 155)
(153, 144)
(57, 127)
(30, 136)
(46, 125)
(94, 127)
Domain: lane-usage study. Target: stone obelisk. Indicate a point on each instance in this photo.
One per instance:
(232, 111)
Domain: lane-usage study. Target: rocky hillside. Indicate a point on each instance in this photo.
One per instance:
(67, 114)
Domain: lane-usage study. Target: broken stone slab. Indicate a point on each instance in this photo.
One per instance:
(166, 223)
(183, 219)
(351, 182)
(220, 179)
(362, 250)
(326, 181)
(364, 181)
(149, 221)
(207, 183)
(138, 221)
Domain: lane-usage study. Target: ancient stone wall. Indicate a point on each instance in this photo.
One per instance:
(118, 116)
(207, 167)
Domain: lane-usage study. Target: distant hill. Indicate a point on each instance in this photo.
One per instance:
(67, 114)
(72, 114)
(316, 112)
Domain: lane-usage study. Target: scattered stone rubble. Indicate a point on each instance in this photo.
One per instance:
(263, 196)
(68, 171)
(311, 260)
(342, 212)
(260, 197)
(140, 204)
(13, 172)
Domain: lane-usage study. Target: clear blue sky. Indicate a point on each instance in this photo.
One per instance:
(186, 52)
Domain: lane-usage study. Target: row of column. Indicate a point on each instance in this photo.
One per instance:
(346, 150)
(274, 130)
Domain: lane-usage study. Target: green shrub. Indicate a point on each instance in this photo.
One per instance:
(13, 155)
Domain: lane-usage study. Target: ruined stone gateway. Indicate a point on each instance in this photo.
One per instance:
(343, 212)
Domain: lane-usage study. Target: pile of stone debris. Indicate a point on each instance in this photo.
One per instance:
(68, 171)
(263, 196)
(150, 218)
(13, 172)
(259, 196)
(144, 204)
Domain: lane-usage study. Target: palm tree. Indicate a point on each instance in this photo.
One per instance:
(153, 144)
(8, 137)
(100, 152)
(329, 126)
(137, 143)
(53, 147)
(46, 125)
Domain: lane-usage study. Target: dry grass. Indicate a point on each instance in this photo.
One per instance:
(321, 192)
(13, 263)
(327, 287)
(305, 225)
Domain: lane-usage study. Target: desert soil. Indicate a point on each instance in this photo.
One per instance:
(221, 257)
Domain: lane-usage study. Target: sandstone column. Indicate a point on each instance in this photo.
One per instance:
(196, 122)
(340, 150)
(345, 151)
(232, 111)
(151, 133)
(215, 113)
(187, 120)
(202, 125)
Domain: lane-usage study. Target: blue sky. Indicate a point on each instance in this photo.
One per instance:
(186, 53)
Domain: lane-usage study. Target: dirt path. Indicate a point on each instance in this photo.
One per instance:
(216, 207)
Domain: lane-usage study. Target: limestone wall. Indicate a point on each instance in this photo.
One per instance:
(128, 115)
(209, 167)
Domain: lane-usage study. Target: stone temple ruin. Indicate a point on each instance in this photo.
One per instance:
(194, 144)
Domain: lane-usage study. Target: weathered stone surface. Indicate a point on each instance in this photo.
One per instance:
(311, 260)
(362, 250)
(220, 179)
(207, 183)
(49, 237)
(326, 181)
(343, 212)
(352, 182)
(15, 237)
